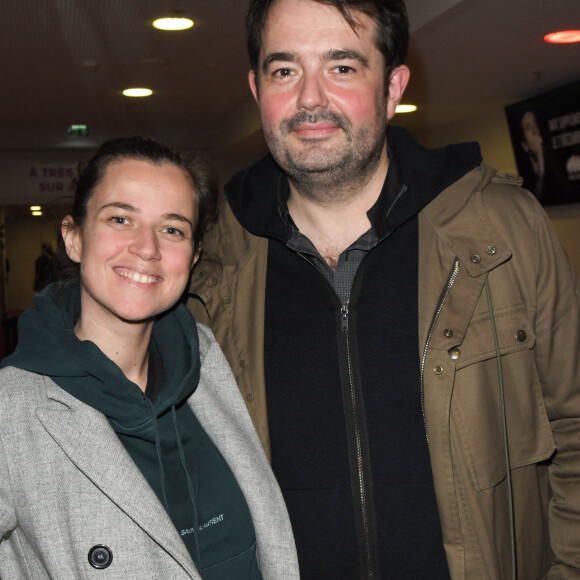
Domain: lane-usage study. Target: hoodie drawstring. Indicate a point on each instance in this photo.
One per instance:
(159, 462)
(190, 488)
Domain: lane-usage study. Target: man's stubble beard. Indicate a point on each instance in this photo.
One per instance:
(329, 176)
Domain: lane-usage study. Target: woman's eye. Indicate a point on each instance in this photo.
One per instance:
(173, 231)
(119, 220)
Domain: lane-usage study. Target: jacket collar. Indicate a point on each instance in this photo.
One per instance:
(476, 242)
(254, 193)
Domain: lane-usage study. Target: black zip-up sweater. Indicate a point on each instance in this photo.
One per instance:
(342, 380)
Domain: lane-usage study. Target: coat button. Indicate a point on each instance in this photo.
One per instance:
(243, 364)
(476, 258)
(491, 250)
(100, 556)
(521, 335)
(448, 333)
(212, 280)
(227, 300)
(249, 397)
(454, 353)
(438, 370)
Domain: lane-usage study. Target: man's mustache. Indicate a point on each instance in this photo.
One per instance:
(305, 118)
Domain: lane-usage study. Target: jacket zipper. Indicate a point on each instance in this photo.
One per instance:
(358, 444)
(442, 299)
(362, 491)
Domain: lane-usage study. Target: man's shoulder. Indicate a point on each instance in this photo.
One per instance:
(508, 179)
(228, 239)
(482, 204)
(485, 186)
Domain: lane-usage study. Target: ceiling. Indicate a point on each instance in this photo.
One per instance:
(66, 61)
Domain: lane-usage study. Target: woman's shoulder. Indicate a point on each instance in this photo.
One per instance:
(18, 384)
(208, 345)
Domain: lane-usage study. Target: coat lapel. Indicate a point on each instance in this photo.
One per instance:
(90, 443)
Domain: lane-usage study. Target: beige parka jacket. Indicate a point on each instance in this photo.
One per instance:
(482, 241)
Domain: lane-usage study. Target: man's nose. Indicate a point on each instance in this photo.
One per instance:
(312, 93)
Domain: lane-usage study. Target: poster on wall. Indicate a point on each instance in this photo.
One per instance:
(545, 133)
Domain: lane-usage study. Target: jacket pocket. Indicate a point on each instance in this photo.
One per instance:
(476, 409)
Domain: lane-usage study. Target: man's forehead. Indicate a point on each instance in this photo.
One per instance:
(528, 120)
(352, 16)
(283, 16)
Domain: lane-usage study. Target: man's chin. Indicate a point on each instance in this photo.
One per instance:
(312, 160)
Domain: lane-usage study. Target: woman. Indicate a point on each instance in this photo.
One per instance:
(126, 450)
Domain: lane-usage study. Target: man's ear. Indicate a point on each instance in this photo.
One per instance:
(397, 85)
(253, 82)
(72, 239)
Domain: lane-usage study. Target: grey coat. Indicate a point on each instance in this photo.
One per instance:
(67, 484)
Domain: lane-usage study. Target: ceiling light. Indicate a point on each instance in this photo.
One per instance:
(35, 208)
(405, 108)
(137, 92)
(563, 36)
(173, 23)
(36, 213)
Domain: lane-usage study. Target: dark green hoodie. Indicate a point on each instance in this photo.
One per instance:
(162, 436)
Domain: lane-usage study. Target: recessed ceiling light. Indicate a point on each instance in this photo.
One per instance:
(563, 36)
(36, 213)
(176, 23)
(137, 92)
(35, 208)
(405, 108)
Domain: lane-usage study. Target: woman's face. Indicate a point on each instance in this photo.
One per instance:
(135, 248)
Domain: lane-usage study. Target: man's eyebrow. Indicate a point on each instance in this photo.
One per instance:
(345, 54)
(277, 57)
(334, 54)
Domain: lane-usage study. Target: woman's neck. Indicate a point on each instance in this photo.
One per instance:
(125, 343)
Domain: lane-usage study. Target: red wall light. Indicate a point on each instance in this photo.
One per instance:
(563, 36)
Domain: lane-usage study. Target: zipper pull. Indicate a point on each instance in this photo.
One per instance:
(344, 314)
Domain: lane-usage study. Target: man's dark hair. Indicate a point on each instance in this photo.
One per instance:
(392, 38)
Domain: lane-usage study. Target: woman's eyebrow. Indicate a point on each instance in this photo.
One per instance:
(119, 205)
(177, 217)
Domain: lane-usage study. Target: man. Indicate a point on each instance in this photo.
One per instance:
(546, 175)
(44, 267)
(533, 146)
(394, 316)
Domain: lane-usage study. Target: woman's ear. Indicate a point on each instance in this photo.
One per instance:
(196, 255)
(72, 239)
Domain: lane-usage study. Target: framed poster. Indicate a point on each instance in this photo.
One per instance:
(545, 133)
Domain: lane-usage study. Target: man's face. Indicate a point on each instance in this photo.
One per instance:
(321, 91)
(532, 142)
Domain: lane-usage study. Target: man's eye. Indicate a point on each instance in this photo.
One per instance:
(343, 70)
(283, 72)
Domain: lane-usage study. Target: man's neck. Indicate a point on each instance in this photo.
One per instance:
(332, 225)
